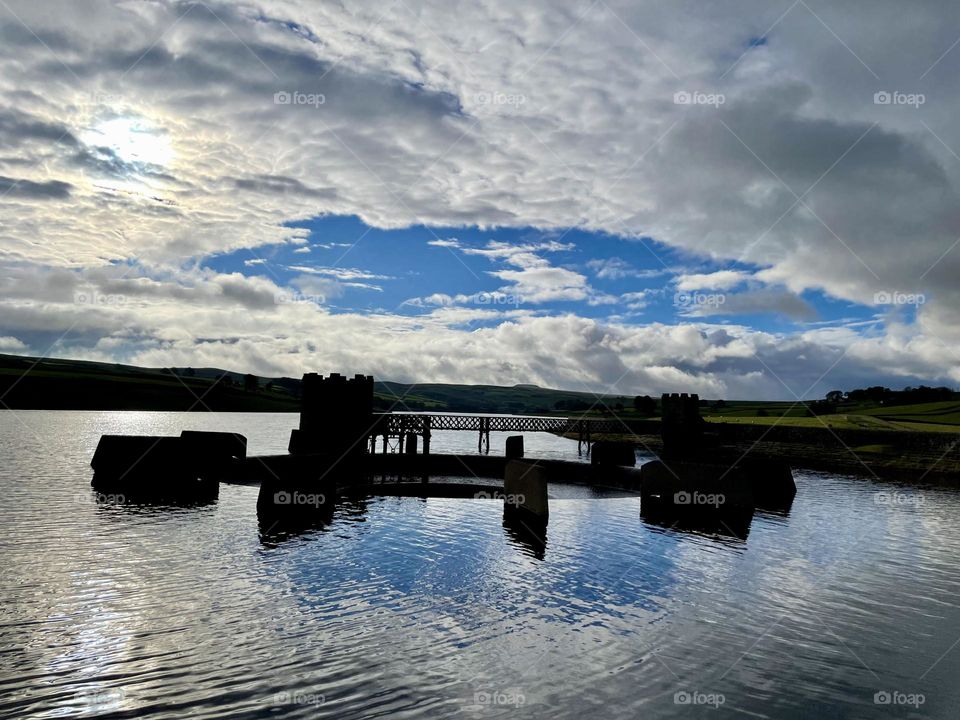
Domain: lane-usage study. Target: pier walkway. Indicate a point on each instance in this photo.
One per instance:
(401, 425)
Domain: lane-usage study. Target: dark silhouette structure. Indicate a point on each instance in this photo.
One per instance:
(336, 415)
(681, 424)
(612, 452)
(158, 468)
(698, 483)
(333, 455)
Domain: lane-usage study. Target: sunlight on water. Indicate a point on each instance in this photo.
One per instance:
(413, 608)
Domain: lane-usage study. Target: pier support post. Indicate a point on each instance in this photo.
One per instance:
(514, 448)
(525, 488)
(483, 444)
(426, 435)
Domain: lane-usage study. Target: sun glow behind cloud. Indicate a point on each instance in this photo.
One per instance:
(132, 140)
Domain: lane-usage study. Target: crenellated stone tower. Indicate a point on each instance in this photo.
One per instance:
(336, 415)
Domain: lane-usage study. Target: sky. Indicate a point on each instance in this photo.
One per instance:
(747, 200)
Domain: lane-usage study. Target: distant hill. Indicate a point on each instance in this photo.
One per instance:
(57, 384)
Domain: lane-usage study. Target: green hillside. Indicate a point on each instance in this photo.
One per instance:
(53, 383)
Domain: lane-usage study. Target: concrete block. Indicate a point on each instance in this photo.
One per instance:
(687, 487)
(148, 466)
(525, 487)
(609, 452)
(514, 448)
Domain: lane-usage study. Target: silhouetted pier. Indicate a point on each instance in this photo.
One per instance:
(333, 453)
(392, 430)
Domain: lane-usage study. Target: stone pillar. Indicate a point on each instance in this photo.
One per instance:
(336, 415)
(681, 426)
(514, 449)
(610, 452)
(525, 488)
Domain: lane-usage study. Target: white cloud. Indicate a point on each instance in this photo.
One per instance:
(617, 268)
(340, 273)
(203, 161)
(719, 280)
(12, 345)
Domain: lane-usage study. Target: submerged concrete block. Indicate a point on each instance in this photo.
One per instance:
(514, 447)
(148, 466)
(609, 452)
(525, 487)
(689, 488)
(214, 445)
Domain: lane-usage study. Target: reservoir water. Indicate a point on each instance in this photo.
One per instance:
(848, 606)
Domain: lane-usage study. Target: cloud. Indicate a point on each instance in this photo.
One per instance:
(340, 273)
(768, 300)
(12, 345)
(23, 188)
(719, 280)
(617, 268)
(798, 174)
